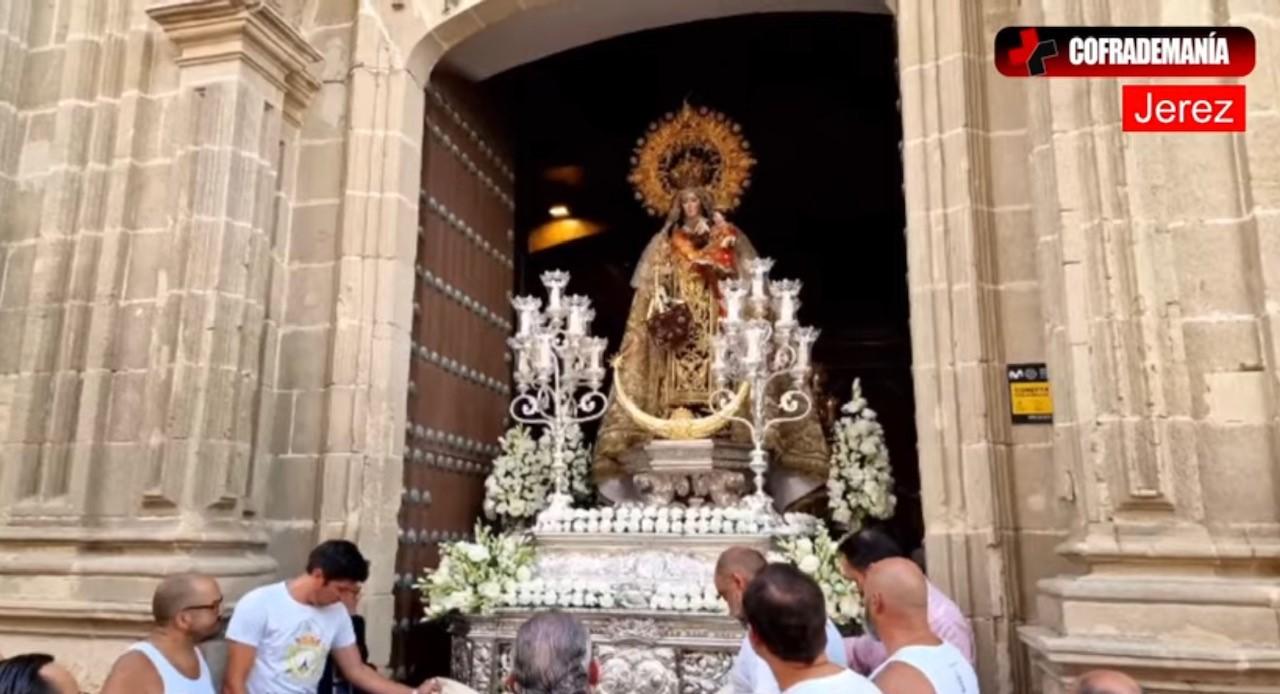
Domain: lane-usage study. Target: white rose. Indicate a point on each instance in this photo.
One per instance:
(810, 564)
(804, 546)
(842, 515)
(523, 574)
(664, 513)
(677, 513)
(606, 601)
(476, 553)
(606, 526)
(726, 527)
(681, 603)
(662, 526)
(677, 527)
(848, 606)
(650, 512)
(577, 599)
(647, 525)
(549, 598)
(593, 526)
(579, 526)
(662, 602)
(606, 513)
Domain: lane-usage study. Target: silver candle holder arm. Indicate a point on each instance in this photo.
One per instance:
(761, 343)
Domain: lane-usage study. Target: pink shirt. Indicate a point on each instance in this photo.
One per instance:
(945, 619)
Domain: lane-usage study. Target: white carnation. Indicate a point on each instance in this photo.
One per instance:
(810, 564)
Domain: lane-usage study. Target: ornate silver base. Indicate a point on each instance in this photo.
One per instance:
(638, 652)
(693, 472)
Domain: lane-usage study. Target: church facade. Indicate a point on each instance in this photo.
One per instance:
(210, 309)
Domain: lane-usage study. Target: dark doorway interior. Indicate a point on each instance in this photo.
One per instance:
(816, 95)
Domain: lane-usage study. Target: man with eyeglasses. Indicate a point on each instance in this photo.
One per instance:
(281, 634)
(187, 610)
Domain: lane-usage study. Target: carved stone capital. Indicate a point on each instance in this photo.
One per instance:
(248, 32)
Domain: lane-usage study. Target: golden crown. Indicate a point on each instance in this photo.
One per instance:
(691, 148)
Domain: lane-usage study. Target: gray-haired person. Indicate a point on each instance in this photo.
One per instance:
(552, 655)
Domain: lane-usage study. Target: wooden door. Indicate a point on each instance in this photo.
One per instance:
(459, 373)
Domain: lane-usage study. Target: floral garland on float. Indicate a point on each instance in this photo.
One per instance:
(496, 569)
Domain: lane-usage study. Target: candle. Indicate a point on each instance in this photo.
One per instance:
(578, 308)
(786, 301)
(555, 281)
(527, 308)
(545, 353)
(759, 269)
(805, 337)
(595, 354)
(719, 348)
(756, 334)
(733, 292)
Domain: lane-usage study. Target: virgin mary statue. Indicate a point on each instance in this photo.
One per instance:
(695, 166)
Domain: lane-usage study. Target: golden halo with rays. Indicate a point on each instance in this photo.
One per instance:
(693, 147)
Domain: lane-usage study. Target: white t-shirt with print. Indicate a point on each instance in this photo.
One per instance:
(293, 639)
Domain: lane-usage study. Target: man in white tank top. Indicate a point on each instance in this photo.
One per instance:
(896, 595)
(187, 609)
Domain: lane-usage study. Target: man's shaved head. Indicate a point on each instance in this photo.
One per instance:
(180, 592)
(743, 561)
(1106, 682)
(901, 585)
(734, 570)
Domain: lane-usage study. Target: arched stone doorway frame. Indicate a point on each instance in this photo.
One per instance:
(958, 355)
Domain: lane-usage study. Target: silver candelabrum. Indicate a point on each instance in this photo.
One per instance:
(559, 368)
(761, 343)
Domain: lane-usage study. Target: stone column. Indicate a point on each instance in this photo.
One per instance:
(957, 348)
(1160, 309)
(148, 315)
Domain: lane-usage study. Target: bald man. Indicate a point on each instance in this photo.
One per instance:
(896, 595)
(1106, 682)
(751, 674)
(188, 610)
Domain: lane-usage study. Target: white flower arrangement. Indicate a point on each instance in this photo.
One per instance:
(474, 577)
(672, 520)
(860, 481)
(522, 479)
(818, 556)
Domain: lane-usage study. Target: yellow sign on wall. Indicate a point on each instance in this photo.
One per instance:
(1030, 399)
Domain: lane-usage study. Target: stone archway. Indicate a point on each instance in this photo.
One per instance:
(956, 309)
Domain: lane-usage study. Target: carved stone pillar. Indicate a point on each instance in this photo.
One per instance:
(1156, 310)
(149, 458)
(957, 350)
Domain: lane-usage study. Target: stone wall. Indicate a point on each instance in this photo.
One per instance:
(146, 170)
(1156, 257)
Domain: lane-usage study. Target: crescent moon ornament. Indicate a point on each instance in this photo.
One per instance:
(678, 427)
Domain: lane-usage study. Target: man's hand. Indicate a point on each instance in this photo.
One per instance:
(368, 679)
